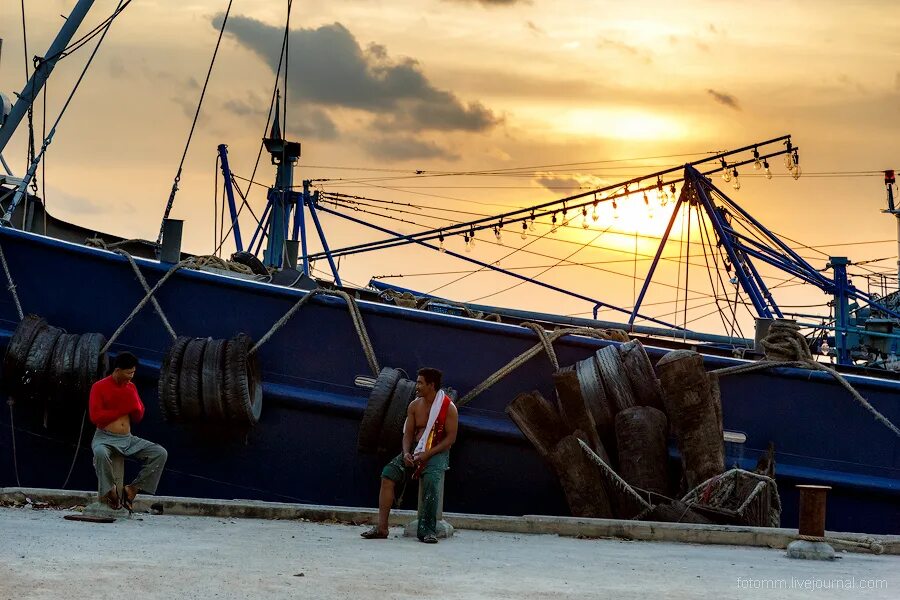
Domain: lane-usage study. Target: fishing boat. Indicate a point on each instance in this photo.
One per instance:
(293, 426)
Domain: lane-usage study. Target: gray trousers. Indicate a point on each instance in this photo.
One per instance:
(105, 444)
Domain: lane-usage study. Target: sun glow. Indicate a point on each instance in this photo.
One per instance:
(621, 124)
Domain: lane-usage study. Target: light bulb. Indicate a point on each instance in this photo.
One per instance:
(672, 195)
(497, 233)
(796, 172)
(661, 197)
(553, 224)
(472, 238)
(531, 224)
(595, 214)
(646, 200)
(441, 239)
(615, 210)
(584, 218)
(468, 243)
(565, 219)
(726, 172)
(768, 170)
(524, 234)
(757, 163)
(789, 161)
(737, 181)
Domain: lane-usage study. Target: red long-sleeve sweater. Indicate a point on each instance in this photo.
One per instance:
(109, 401)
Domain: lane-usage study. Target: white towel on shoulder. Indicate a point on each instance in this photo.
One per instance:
(432, 417)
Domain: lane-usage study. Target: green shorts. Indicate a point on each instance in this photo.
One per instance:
(397, 471)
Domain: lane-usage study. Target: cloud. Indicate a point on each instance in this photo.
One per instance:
(622, 47)
(329, 68)
(315, 123)
(534, 28)
(406, 148)
(724, 99)
(568, 183)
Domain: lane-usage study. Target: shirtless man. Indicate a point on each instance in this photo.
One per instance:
(426, 458)
(114, 406)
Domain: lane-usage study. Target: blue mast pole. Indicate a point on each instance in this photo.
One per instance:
(302, 225)
(662, 245)
(43, 70)
(315, 217)
(693, 178)
(841, 309)
(229, 191)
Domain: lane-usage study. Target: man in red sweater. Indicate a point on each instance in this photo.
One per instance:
(114, 407)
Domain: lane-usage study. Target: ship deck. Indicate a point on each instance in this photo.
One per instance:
(177, 556)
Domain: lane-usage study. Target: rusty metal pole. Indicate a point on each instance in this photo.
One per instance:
(812, 509)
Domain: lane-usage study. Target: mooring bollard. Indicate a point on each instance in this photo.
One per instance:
(812, 524)
(100, 508)
(443, 528)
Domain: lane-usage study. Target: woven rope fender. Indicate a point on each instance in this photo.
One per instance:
(646, 387)
(690, 407)
(643, 451)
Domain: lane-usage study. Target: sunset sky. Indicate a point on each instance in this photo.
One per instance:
(468, 85)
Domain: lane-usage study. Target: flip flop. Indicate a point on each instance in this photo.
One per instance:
(373, 534)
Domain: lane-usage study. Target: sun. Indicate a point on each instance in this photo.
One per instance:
(620, 124)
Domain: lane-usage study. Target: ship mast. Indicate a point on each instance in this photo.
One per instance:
(42, 71)
(890, 180)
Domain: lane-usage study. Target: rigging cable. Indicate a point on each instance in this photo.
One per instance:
(187, 145)
(47, 140)
(251, 182)
(515, 285)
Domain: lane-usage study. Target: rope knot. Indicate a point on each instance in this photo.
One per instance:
(784, 342)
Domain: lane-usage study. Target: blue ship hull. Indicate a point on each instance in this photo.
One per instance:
(305, 446)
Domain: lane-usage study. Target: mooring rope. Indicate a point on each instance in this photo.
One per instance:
(147, 298)
(617, 481)
(355, 315)
(10, 285)
(786, 347)
(869, 543)
(545, 344)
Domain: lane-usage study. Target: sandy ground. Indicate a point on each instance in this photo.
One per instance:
(44, 556)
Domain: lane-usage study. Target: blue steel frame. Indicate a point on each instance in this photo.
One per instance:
(740, 249)
(229, 191)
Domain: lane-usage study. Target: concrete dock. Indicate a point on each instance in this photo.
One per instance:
(42, 555)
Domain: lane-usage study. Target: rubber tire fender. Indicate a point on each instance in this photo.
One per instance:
(60, 385)
(615, 381)
(17, 351)
(94, 363)
(373, 417)
(37, 363)
(250, 260)
(212, 383)
(189, 382)
(243, 383)
(392, 428)
(168, 380)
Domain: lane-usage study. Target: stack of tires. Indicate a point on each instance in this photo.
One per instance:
(211, 381)
(46, 367)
